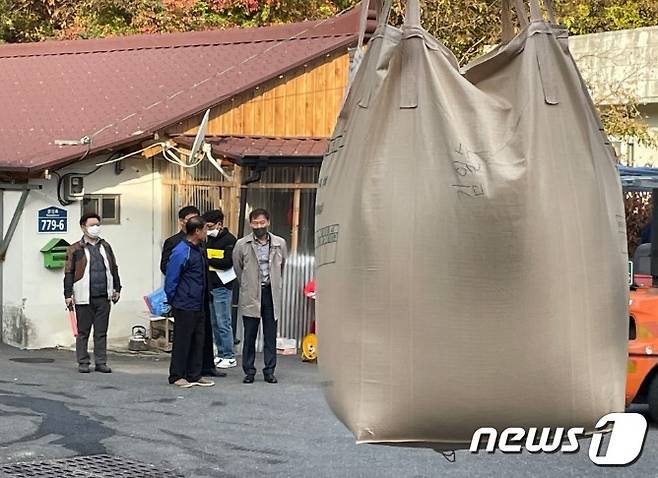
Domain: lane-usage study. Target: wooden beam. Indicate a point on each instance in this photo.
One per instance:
(282, 186)
(235, 199)
(296, 200)
(218, 184)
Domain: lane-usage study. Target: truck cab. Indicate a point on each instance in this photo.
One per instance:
(642, 374)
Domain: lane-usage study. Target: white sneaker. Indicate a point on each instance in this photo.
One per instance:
(217, 360)
(227, 363)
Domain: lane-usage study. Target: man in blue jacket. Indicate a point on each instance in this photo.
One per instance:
(185, 286)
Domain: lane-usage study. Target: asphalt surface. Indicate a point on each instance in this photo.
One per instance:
(50, 411)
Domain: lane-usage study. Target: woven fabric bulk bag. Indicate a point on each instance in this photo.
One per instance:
(470, 242)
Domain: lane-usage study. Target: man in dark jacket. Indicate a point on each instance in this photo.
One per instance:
(184, 215)
(219, 248)
(186, 289)
(91, 281)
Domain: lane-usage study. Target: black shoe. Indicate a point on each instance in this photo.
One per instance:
(248, 379)
(212, 373)
(271, 379)
(83, 368)
(103, 368)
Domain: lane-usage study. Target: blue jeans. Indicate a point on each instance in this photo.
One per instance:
(221, 321)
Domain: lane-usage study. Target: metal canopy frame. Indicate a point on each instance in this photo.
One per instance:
(638, 179)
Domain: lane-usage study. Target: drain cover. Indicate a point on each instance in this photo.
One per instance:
(32, 360)
(94, 466)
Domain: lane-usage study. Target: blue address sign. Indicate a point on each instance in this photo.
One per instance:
(52, 219)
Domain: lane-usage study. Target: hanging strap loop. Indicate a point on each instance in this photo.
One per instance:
(410, 59)
(506, 19)
(521, 13)
(550, 8)
(382, 18)
(535, 11)
(384, 13)
(412, 14)
(363, 22)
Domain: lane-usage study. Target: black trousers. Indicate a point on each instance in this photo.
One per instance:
(96, 314)
(208, 351)
(187, 350)
(269, 336)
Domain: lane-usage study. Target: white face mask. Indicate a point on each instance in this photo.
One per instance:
(213, 232)
(94, 231)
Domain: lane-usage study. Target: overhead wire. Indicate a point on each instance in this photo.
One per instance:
(60, 177)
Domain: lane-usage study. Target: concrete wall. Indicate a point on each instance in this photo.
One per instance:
(620, 63)
(34, 314)
(622, 67)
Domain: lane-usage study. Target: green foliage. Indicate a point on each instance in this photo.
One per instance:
(35, 20)
(604, 15)
(466, 26)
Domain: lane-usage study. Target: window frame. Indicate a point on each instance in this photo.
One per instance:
(99, 211)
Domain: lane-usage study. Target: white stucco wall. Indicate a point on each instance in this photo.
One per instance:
(136, 242)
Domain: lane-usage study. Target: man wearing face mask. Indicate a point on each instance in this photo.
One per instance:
(258, 260)
(184, 215)
(91, 280)
(219, 248)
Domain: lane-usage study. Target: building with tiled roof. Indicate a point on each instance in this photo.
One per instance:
(70, 110)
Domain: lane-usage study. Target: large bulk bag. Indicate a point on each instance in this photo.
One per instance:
(470, 243)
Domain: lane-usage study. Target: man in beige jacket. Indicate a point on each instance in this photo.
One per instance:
(258, 260)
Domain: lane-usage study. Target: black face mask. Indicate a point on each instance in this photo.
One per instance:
(260, 232)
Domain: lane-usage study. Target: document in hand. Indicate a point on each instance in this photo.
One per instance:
(226, 276)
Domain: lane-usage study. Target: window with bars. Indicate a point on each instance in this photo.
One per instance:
(107, 206)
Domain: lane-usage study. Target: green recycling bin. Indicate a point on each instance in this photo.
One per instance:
(54, 253)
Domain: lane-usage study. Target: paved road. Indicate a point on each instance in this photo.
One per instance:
(232, 430)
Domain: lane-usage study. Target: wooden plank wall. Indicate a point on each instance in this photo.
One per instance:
(304, 102)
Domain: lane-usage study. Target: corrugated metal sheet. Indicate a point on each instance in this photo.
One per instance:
(298, 310)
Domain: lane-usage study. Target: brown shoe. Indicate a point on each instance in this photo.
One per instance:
(182, 383)
(204, 382)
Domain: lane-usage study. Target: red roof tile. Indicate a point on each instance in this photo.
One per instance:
(120, 90)
(239, 147)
